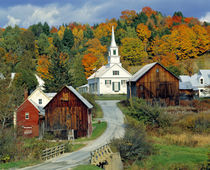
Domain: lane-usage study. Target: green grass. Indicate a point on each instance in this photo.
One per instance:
(19, 164)
(169, 156)
(86, 167)
(112, 97)
(99, 112)
(76, 147)
(98, 130)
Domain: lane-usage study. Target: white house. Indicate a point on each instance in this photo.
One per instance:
(199, 82)
(110, 78)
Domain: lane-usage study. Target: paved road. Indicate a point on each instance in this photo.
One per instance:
(115, 129)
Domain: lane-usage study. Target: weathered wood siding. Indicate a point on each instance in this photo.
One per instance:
(158, 83)
(65, 111)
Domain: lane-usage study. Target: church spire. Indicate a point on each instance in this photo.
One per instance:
(113, 43)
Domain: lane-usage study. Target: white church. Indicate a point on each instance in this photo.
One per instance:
(110, 78)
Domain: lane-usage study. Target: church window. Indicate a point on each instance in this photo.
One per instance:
(116, 72)
(123, 82)
(114, 52)
(107, 82)
(40, 101)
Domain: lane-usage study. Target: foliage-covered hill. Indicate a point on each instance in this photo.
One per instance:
(70, 53)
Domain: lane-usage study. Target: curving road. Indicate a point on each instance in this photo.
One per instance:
(115, 128)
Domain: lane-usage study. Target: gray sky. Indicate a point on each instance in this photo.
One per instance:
(57, 12)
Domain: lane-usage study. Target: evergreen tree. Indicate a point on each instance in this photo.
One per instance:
(88, 33)
(58, 71)
(68, 39)
(43, 44)
(46, 28)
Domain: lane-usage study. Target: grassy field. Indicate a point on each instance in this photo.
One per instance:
(86, 167)
(98, 130)
(174, 151)
(173, 156)
(111, 97)
(99, 112)
(19, 164)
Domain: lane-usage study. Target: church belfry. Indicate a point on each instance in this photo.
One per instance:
(114, 57)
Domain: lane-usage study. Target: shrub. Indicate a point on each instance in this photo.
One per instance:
(151, 115)
(91, 99)
(134, 145)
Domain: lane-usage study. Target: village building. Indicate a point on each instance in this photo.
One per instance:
(68, 113)
(110, 78)
(154, 83)
(29, 117)
(195, 85)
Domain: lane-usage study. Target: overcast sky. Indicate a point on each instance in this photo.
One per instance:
(57, 12)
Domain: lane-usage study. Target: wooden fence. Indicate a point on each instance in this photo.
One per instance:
(53, 152)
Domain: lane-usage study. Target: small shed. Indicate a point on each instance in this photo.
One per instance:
(30, 119)
(154, 83)
(67, 112)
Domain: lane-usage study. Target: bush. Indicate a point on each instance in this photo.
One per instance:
(134, 145)
(151, 115)
(7, 145)
(91, 99)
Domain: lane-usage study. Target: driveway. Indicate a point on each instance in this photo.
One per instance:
(115, 129)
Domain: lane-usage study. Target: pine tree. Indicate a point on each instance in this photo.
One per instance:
(68, 39)
(58, 71)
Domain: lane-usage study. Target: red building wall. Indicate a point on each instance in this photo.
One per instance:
(28, 127)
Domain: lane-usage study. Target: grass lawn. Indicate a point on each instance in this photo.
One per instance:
(112, 97)
(98, 130)
(172, 156)
(99, 112)
(19, 164)
(76, 147)
(86, 167)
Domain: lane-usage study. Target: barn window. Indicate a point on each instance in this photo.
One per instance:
(40, 101)
(27, 115)
(201, 80)
(157, 70)
(116, 73)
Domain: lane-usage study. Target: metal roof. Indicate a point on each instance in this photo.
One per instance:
(50, 95)
(39, 108)
(90, 106)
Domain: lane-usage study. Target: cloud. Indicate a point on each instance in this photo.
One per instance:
(206, 17)
(53, 14)
(12, 21)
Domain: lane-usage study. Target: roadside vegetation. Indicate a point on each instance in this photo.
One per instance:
(178, 135)
(112, 97)
(86, 167)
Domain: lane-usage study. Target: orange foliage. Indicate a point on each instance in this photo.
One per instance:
(104, 29)
(88, 62)
(148, 11)
(128, 15)
(42, 67)
(53, 30)
(169, 59)
(177, 19)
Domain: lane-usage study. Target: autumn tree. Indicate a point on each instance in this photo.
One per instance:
(132, 50)
(42, 67)
(128, 15)
(89, 63)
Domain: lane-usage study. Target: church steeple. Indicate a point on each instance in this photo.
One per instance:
(114, 57)
(113, 43)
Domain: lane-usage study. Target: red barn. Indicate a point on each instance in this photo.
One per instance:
(30, 119)
(68, 112)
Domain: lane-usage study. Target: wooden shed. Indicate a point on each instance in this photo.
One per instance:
(154, 83)
(30, 119)
(68, 112)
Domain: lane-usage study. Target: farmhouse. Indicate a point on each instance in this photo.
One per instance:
(154, 83)
(68, 112)
(30, 119)
(110, 78)
(197, 84)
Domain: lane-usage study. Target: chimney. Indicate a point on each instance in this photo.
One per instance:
(25, 94)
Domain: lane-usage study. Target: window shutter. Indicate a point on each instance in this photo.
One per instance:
(119, 85)
(112, 86)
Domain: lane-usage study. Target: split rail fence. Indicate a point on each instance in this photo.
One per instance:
(53, 152)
